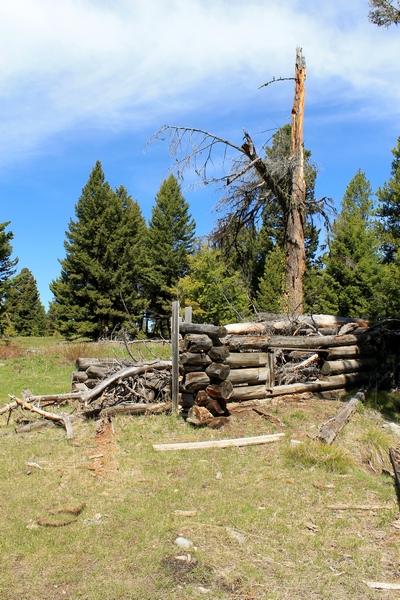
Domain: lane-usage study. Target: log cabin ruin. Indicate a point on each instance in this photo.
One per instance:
(218, 368)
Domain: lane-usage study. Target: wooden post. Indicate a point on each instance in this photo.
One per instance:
(188, 314)
(175, 358)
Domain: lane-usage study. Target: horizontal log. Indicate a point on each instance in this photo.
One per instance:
(186, 400)
(349, 352)
(330, 383)
(80, 376)
(218, 371)
(195, 382)
(223, 390)
(250, 376)
(334, 367)
(212, 330)
(197, 342)
(236, 442)
(218, 353)
(84, 363)
(136, 409)
(263, 342)
(202, 398)
(248, 359)
(245, 328)
(99, 371)
(319, 321)
(191, 358)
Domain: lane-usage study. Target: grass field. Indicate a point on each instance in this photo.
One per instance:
(97, 517)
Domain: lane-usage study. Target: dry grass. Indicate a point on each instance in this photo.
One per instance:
(96, 518)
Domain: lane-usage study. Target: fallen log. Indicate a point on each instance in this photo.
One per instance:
(335, 367)
(192, 358)
(330, 429)
(237, 442)
(63, 419)
(127, 372)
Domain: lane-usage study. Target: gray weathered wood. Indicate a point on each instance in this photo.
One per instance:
(237, 442)
(175, 357)
(263, 342)
(197, 342)
(195, 382)
(330, 429)
(250, 376)
(218, 371)
(192, 358)
(218, 353)
(223, 390)
(334, 367)
(247, 359)
(212, 330)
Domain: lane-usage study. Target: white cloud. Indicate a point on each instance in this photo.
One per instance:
(127, 61)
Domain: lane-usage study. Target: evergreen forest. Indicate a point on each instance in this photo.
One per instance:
(120, 274)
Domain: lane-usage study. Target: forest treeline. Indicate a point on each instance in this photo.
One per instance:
(121, 273)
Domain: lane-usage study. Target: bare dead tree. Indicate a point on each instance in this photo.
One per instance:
(254, 180)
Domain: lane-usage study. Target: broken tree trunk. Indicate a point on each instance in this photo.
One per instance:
(329, 430)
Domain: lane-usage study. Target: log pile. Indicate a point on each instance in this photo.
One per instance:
(249, 361)
(110, 383)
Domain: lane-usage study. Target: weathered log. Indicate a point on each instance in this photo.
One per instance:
(330, 383)
(196, 381)
(127, 372)
(98, 371)
(136, 409)
(34, 426)
(218, 371)
(237, 442)
(263, 342)
(202, 398)
(247, 359)
(318, 321)
(197, 342)
(216, 407)
(250, 376)
(330, 429)
(63, 419)
(84, 363)
(199, 416)
(8, 407)
(335, 367)
(245, 328)
(211, 330)
(223, 390)
(190, 358)
(80, 376)
(218, 353)
(349, 352)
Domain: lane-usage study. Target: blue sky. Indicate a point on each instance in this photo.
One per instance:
(87, 80)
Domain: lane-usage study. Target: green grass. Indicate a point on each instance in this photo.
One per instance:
(122, 545)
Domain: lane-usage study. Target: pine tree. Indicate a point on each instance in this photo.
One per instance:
(353, 260)
(216, 295)
(25, 314)
(7, 265)
(100, 286)
(170, 241)
(389, 209)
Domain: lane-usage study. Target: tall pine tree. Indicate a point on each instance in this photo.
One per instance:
(100, 286)
(25, 314)
(170, 241)
(7, 265)
(389, 209)
(353, 260)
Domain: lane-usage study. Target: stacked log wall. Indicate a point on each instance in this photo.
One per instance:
(218, 367)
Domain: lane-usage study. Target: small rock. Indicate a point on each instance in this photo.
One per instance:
(218, 475)
(203, 590)
(236, 535)
(183, 543)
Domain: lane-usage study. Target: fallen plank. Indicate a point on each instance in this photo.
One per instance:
(359, 507)
(376, 585)
(247, 441)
